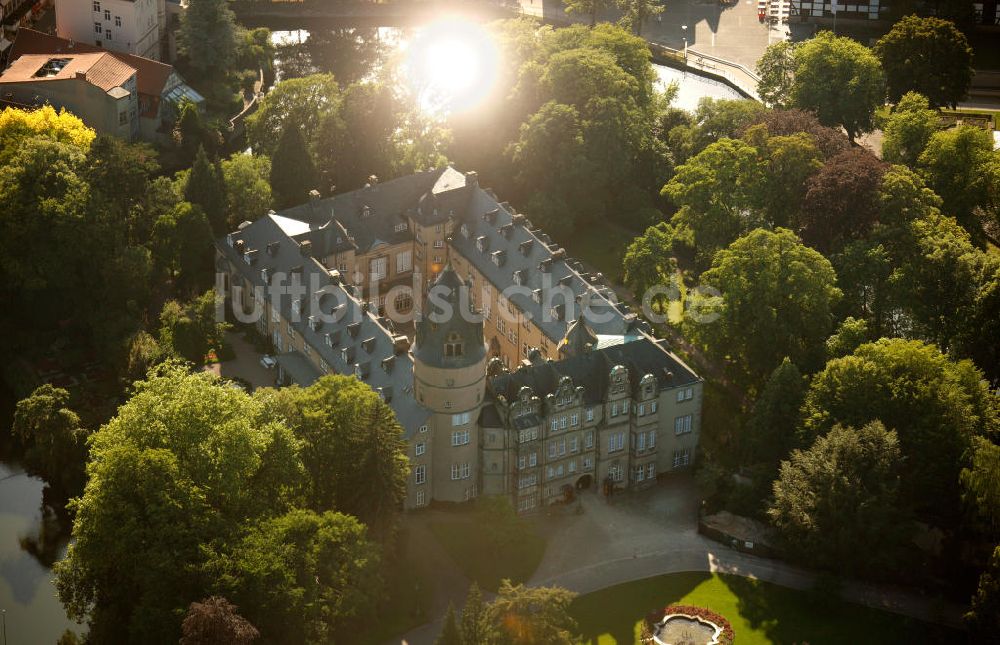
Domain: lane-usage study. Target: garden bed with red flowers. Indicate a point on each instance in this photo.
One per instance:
(653, 618)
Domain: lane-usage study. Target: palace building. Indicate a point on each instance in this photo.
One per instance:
(512, 370)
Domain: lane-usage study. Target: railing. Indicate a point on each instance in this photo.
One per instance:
(733, 73)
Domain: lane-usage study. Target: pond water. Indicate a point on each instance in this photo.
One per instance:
(357, 53)
(682, 630)
(33, 613)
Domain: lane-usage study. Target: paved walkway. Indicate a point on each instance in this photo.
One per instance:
(654, 532)
(246, 365)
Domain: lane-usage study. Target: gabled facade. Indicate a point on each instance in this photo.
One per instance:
(569, 392)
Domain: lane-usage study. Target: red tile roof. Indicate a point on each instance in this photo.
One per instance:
(100, 69)
(152, 75)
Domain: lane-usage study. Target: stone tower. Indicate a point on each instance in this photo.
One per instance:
(579, 339)
(449, 379)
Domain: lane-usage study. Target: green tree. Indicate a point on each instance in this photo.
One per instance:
(345, 428)
(181, 241)
(787, 163)
(293, 173)
(191, 132)
(983, 618)
(118, 174)
(530, 616)
(53, 439)
(183, 468)
(248, 191)
(304, 577)
(955, 166)
(770, 431)
(16, 126)
(635, 13)
(851, 334)
(908, 129)
(301, 103)
(776, 300)
(841, 80)
(776, 70)
(473, 626)
(551, 145)
(190, 331)
(591, 8)
(838, 504)
(926, 55)
(143, 354)
(215, 621)
(450, 634)
(935, 405)
(207, 39)
(981, 481)
(205, 187)
(649, 261)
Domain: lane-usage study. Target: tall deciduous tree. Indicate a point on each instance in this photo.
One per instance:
(248, 193)
(53, 439)
(776, 300)
(635, 13)
(183, 469)
(841, 200)
(955, 165)
(935, 404)
(293, 173)
(304, 577)
(838, 504)
(345, 428)
(908, 129)
(181, 241)
(591, 8)
(983, 618)
(301, 103)
(776, 69)
(841, 80)
(926, 55)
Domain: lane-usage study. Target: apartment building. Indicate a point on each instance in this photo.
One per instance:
(128, 26)
(571, 392)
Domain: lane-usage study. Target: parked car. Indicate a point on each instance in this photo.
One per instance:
(267, 361)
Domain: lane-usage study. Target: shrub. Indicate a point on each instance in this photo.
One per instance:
(654, 617)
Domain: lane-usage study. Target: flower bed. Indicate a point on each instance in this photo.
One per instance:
(653, 618)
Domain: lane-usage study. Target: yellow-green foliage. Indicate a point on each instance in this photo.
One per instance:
(17, 125)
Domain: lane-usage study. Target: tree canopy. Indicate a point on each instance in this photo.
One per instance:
(926, 55)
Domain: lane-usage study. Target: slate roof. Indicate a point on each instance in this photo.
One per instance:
(539, 262)
(437, 324)
(591, 370)
(359, 343)
(370, 215)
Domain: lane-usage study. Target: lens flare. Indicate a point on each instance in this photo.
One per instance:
(451, 65)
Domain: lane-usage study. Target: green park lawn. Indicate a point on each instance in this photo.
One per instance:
(471, 541)
(759, 612)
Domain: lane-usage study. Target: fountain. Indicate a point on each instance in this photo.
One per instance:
(680, 629)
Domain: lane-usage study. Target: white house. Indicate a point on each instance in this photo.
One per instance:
(128, 26)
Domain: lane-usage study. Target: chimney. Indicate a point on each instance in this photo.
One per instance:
(400, 344)
(81, 75)
(306, 248)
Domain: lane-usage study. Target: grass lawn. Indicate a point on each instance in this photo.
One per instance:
(759, 612)
(471, 542)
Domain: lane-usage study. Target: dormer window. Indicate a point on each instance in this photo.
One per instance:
(499, 257)
(518, 277)
(229, 239)
(314, 322)
(366, 212)
(400, 227)
(454, 347)
(482, 243)
(536, 295)
(296, 307)
(464, 231)
(263, 275)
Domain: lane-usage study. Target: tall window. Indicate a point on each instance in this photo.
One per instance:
(97, 6)
(404, 261)
(420, 474)
(682, 425)
(460, 419)
(421, 498)
(590, 414)
(454, 346)
(378, 267)
(420, 448)
(460, 437)
(682, 458)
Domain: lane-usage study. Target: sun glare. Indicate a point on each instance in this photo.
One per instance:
(451, 65)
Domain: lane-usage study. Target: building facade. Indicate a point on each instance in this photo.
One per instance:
(570, 392)
(129, 26)
(97, 87)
